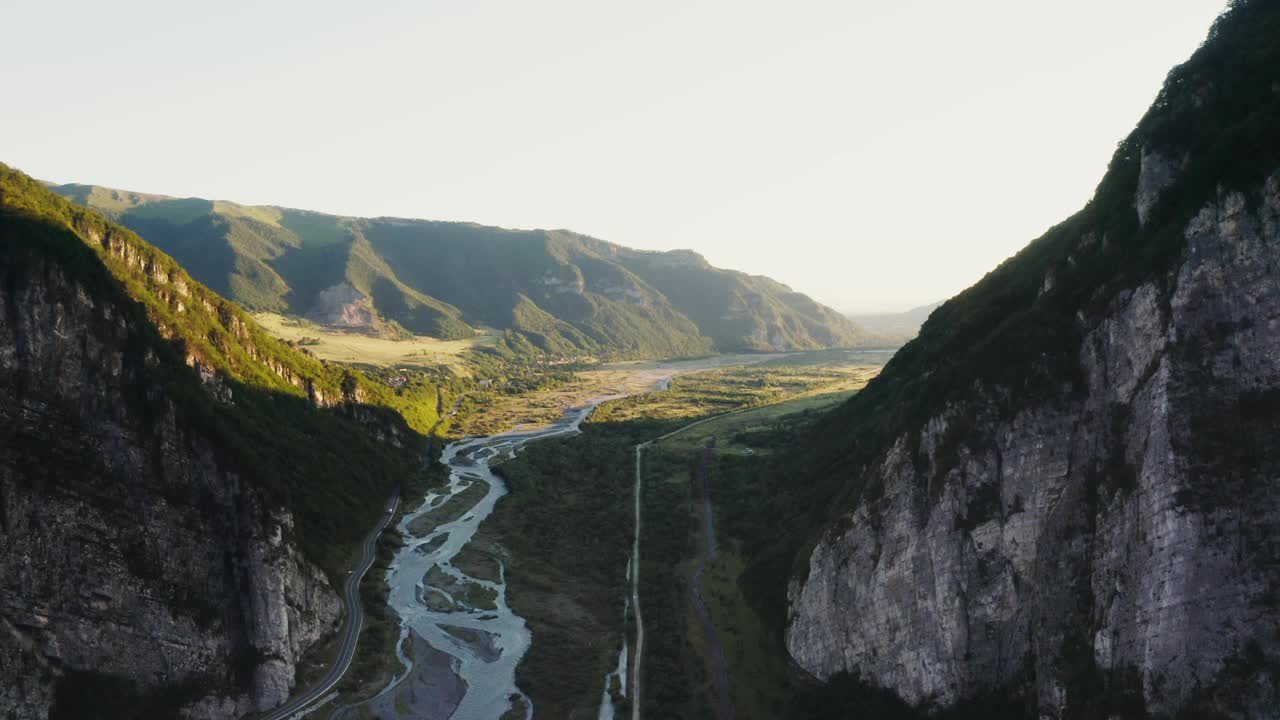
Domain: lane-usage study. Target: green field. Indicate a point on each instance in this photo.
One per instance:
(536, 393)
(678, 663)
(677, 666)
(362, 349)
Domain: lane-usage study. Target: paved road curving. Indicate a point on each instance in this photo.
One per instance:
(634, 684)
(351, 629)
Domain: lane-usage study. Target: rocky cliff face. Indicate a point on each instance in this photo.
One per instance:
(1094, 524)
(129, 548)
(1115, 532)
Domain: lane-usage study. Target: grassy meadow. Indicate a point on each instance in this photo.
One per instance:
(361, 349)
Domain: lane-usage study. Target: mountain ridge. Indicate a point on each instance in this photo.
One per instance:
(896, 326)
(550, 292)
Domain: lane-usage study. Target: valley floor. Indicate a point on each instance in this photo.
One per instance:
(569, 579)
(561, 539)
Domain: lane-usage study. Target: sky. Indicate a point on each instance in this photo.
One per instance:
(875, 155)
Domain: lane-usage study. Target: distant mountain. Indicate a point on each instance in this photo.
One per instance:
(553, 292)
(1062, 498)
(896, 327)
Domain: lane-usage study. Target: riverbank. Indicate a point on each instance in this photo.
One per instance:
(443, 607)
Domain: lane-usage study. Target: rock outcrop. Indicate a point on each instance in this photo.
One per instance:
(343, 306)
(130, 549)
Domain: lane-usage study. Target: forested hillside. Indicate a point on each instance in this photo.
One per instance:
(548, 292)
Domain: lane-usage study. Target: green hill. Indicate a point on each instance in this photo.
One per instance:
(552, 292)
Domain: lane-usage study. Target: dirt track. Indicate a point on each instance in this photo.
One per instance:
(719, 666)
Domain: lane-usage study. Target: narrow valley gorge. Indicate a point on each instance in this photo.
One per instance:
(264, 463)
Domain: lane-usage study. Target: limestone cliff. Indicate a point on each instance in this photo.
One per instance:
(172, 498)
(1075, 499)
(130, 549)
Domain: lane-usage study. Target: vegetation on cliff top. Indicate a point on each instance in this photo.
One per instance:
(1017, 329)
(325, 464)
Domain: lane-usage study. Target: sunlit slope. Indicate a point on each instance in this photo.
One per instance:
(548, 292)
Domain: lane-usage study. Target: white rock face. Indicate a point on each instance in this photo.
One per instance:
(345, 307)
(1131, 530)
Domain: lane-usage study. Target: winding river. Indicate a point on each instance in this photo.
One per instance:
(460, 642)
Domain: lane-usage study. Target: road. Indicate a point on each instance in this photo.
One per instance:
(634, 684)
(351, 629)
(446, 415)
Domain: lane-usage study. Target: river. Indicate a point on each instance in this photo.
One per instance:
(460, 643)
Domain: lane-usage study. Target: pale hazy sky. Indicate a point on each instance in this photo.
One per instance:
(876, 155)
